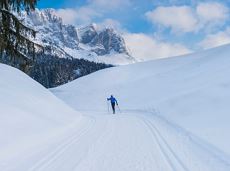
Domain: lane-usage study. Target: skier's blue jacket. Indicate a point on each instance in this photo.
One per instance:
(112, 99)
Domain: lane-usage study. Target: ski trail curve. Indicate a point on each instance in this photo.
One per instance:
(175, 163)
(53, 155)
(131, 141)
(185, 151)
(125, 145)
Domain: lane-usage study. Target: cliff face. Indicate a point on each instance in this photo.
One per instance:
(102, 42)
(88, 42)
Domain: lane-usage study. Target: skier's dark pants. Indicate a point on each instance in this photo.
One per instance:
(113, 107)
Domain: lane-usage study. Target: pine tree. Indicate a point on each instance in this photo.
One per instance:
(15, 37)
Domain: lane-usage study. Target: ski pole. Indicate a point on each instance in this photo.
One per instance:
(108, 106)
(119, 108)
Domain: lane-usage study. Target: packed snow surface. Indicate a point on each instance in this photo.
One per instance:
(173, 115)
(188, 94)
(29, 116)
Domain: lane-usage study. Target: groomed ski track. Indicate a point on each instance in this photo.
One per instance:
(128, 141)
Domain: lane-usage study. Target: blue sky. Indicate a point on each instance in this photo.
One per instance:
(170, 27)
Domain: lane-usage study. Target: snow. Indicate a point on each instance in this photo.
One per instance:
(113, 58)
(28, 112)
(65, 40)
(191, 92)
(174, 116)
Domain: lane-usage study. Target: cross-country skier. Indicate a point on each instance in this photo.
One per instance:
(113, 102)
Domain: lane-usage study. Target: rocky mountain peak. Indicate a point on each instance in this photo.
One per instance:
(85, 42)
(87, 33)
(42, 17)
(104, 41)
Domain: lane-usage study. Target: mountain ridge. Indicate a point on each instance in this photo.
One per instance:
(87, 42)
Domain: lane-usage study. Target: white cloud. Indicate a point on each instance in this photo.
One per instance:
(143, 47)
(212, 11)
(177, 18)
(83, 15)
(109, 4)
(205, 16)
(211, 15)
(214, 40)
(68, 15)
(111, 23)
(92, 10)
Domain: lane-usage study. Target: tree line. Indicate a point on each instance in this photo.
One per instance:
(18, 49)
(52, 71)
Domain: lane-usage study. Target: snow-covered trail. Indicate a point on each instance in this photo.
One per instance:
(142, 141)
(129, 141)
(190, 133)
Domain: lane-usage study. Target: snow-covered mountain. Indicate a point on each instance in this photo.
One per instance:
(88, 42)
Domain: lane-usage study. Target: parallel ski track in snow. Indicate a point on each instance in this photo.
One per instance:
(53, 155)
(96, 143)
(173, 160)
(185, 143)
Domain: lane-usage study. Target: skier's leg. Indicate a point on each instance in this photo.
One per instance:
(113, 107)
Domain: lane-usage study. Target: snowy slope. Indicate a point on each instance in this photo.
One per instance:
(174, 117)
(29, 114)
(190, 91)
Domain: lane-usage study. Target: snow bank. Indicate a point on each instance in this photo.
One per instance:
(191, 90)
(27, 111)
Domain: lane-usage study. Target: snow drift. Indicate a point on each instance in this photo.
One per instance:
(28, 112)
(191, 90)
